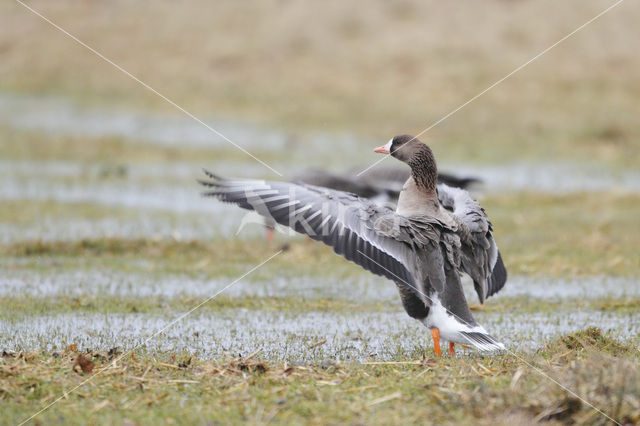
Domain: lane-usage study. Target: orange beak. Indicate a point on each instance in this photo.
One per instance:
(381, 150)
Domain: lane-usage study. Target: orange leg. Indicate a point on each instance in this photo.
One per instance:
(435, 333)
(269, 236)
(452, 352)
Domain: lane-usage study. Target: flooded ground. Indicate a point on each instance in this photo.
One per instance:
(363, 288)
(57, 116)
(283, 336)
(374, 328)
(131, 297)
(106, 242)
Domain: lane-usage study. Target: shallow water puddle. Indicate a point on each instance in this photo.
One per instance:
(578, 288)
(284, 336)
(163, 200)
(364, 287)
(116, 283)
(278, 335)
(170, 172)
(30, 180)
(149, 196)
(185, 227)
(60, 116)
(57, 115)
(550, 177)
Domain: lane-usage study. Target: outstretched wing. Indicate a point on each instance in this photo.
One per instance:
(480, 257)
(403, 250)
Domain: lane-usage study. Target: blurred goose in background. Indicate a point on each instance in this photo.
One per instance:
(380, 184)
(422, 246)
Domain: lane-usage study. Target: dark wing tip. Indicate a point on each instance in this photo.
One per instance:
(216, 182)
(498, 277)
(212, 175)
(207, 183)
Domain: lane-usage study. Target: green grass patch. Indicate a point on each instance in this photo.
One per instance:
(567, 235)
(593, 337)
(113, 154)
(21, 307)
(18, 308)
(556, 235)
(223, 257)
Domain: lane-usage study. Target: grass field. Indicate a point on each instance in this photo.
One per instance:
(105, 239)
(370, 68)
(183, 389)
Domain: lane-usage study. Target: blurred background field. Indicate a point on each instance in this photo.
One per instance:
(368, 69)
(104, 236)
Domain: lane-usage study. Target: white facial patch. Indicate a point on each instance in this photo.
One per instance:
(387, 147)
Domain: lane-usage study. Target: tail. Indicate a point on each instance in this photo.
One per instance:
(482, 341)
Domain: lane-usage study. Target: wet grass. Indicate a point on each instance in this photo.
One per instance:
(577, 234)
(152, 387)
(224, 257)
(181, 388)
(255, 62)
(18, 308)
(564, 235)
(26, 212)
(113, 152)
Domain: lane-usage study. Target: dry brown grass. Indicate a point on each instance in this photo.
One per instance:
(180, 387)
(374, 67)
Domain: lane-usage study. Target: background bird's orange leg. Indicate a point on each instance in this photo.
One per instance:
(269, 235)
(435, 333)
(452, 352)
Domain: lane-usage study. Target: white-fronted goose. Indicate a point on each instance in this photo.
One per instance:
(421, 246)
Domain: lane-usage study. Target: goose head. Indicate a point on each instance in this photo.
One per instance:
(417, 155)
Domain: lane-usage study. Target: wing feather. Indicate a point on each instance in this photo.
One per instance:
(374, 237)
(480, 257)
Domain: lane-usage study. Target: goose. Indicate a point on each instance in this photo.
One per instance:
(381, 184)
(391, 177)
(421, 246)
